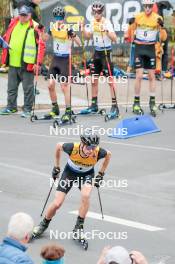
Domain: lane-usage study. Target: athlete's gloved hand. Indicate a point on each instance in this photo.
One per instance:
(71, 33)
(98, 179)
(55, 173)
(160, 22)
(132, 21)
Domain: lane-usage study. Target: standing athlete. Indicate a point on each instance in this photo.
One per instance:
(62, 36)
(145, 30)
(103, 34)
(83, 156)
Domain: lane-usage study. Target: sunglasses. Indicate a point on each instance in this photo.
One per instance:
(24, 15)
(97, 12)
(59, 18)
(90, 147)
(148, 6)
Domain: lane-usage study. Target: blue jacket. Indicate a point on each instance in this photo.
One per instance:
(13, 252)
(59, 261)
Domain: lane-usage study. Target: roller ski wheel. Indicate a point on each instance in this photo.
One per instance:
(109, 117)
(113, 114)
(153, 113)
(137, 110)
(59, 122)
(78, 235)
(102, 112)
(153, 110)
(161, 107)
(33, 118)
(84, 243)
(38, 230)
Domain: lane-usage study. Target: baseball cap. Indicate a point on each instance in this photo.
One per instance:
(117, 254)
(24, 10)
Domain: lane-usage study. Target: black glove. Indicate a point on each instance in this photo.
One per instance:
(71, 33)
(160, 22)
(164, 5)
(98, 179)
(132, 21)
(55, 173)
(40, 26)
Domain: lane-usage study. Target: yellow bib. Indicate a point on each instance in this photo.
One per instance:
(80, 161)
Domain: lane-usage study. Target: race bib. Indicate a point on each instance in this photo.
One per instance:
(101, 40)
(146, 35)
(61, 47)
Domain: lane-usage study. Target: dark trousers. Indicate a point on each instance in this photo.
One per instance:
(15, 76)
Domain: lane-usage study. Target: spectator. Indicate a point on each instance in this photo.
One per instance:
(52, 254)
(119, 255)
(24, 58)
(12, 250)
(33, 4)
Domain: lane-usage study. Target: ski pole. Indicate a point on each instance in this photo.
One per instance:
(70, 78)
(36, 77)
(172, 73)
(101, 208)
(47, 199)
(131, 56)
(162, 93)
(109, 67)
(85, 68)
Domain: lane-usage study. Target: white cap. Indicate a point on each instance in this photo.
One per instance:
(118, 254)
(148, 2)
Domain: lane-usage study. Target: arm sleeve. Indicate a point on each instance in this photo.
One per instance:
(41, 47)
(68, 147)
(101, 154)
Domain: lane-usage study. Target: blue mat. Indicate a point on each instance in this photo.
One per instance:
(135, 126)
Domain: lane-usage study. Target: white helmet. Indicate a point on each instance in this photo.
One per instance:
(148, 2)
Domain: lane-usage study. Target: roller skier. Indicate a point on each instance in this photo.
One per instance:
(148, 30)
(83, 156)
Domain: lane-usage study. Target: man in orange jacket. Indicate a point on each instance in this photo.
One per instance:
(24, 58)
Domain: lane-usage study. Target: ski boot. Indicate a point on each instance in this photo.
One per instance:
(93, 109)
(68, 116)
(39, 230)
(8, 111)
(153, 107)
(53, 113)
(137, 109)
(113, 114)
(78, 235)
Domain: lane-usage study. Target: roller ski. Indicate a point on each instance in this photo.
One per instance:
(39, 230)
(137, 110)
(67, 118)
(153, 108)
(78, 235)
(54, 113)
(166, 106)
(113, 114)
(92, 110)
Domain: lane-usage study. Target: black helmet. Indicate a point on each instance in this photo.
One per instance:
(59, 11)
(98, 6)
(90, 139)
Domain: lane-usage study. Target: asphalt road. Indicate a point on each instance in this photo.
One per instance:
(140, 213)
